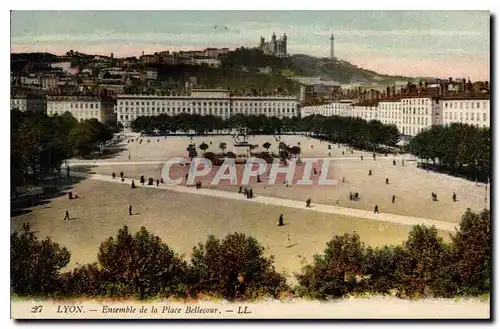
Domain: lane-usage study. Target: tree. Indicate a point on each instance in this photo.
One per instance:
(422, 256)
(203, 146)
(235, 267)
(336, 272)
(266, 145)
(468, 269)
(222, 146)
(141, 265)
(35, 264)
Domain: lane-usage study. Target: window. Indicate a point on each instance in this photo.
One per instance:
(467, 116)
(484, 116)
(91, 105)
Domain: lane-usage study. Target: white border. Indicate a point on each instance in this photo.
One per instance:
(191, 5)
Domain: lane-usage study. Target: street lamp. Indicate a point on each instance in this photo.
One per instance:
(476, 172)
(486, 194)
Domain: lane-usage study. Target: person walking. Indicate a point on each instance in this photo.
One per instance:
(280, 220)
(157, 182)
(113, 175)
(133, 184)
(130, 210)
(66, 216)
(376, 209)
(393, 198)
(308, 203)
(387, 180)
(454, 197)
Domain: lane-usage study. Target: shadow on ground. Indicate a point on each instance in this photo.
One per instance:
(22, 204)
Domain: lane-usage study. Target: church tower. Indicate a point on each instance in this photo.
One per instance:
(274, 47)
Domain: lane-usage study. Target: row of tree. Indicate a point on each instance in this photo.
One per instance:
(354, 131)
(457, 147)
(40, 143)
(143, 266)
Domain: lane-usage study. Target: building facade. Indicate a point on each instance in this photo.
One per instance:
(412, 115)
(29, 102)
(470, 111)
(275, 47)
(203, 102)
(81, 107)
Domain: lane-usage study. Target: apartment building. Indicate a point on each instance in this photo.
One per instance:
(82, 107)
(203, 102)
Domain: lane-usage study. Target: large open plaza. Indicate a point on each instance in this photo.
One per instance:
(183, 218)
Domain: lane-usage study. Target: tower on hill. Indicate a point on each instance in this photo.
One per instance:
(332, 49)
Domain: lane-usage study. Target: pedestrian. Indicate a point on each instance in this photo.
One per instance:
(376, 210)
(133, 184)
(280, 220)
(70, 195)
(246, 192)
(454, 197)
(361, 157)
(121, 174)
(308, 203)
(157, 182)
(240, 190)
(27, 227)
(387, 180)
(393, 198)
(113, 175)
(130, 210)
(251, 193)
(161, 180)
(369, 172)
(258, 179)
(342, 152)
(337, 202)
(393, 162)
(66, 216)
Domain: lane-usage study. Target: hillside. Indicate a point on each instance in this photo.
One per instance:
(304, 65)
(340, 71)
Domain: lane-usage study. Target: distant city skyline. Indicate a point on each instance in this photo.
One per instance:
(410, 43)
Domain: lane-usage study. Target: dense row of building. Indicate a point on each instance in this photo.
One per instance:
(204, 102)
(413, 110)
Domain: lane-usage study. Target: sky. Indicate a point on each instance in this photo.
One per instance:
(411, 43)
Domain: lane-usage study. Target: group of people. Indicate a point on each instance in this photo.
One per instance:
(248, 192)
(353, 196)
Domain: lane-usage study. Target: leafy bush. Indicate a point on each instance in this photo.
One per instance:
(235, 268)
(379, 269)
(336, 272)
(141, 264)
(467, 270)
(420, 261)
(35, 264)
